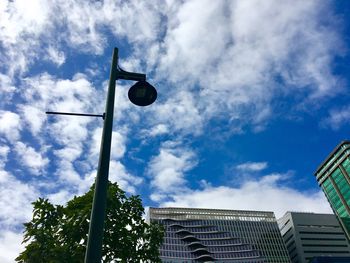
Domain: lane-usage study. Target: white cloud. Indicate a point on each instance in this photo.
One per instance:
(16, 209)
(30, 158)
(7, 89)
(10, 246)
(117, 146)
(4, 150)
(233, 50)
(70, 134)
(264, 194)
(243, 53)
(60, 94)
(159, 129)
(126, 181)
(61, 197)
(28, 27)
(69, 130)
(55, 56)
(252, 166)
(33, 116)
(69, 153)
(67, 174)
(19, 17)
(15, 201)
(22, 23)
(10, 125)
(179, 113)
(142, 18)
(337, 118)
(168, 168)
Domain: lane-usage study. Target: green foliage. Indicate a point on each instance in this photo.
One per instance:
(59, 234)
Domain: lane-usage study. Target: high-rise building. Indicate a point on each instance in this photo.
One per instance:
(330, 260)
(333, 175)
(309, 235)
(212, 235)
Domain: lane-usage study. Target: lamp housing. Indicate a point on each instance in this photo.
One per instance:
(142, 93)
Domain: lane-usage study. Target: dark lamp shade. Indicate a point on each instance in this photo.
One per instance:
(142, 94)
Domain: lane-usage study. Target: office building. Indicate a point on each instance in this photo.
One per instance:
(309, 235)
(330, 260)
(333, 177)
(211, 235)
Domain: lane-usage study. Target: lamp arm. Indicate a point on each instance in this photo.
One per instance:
(122, 74)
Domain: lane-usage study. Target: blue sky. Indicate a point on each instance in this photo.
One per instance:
(252, 96)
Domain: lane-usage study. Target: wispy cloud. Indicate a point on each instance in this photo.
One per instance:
(125, 180)
(15, 208)
(10, 125)
(252, 166)
(10, 245)
(4, 150)
(337, 118)
(265, 194)
(240, 49)
(168, 168)
(7, 89)
(56, 56)
(178, 114)
(30, 158)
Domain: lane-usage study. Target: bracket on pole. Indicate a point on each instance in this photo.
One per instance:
(122, 74)
(76, 114)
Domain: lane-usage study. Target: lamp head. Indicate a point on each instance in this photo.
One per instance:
(142, 93)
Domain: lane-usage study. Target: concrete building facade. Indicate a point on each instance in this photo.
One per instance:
(310, 235)
(211, 235)
(333, 176)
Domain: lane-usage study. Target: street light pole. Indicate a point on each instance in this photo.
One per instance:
(141, 94)
(94, 244)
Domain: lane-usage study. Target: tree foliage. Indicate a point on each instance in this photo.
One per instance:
(59, 233)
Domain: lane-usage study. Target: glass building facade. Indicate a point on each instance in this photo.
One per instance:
(333, 175)
(210, 235)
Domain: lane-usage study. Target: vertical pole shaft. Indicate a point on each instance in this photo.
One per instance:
(94, 245)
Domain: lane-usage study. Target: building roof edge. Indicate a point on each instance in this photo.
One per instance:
(331, 154)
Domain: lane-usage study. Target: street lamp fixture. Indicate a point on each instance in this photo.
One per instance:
(141, 94)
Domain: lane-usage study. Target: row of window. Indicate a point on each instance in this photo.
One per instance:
(322, 233)
(218, 242)
(327, 252)
(182, 254)
(205, 235)
(319, 226)
(323, 245)
(194, 229)
(321, 238)
(245, 247)
(170, 222)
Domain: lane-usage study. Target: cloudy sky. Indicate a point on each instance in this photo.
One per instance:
(252, 96)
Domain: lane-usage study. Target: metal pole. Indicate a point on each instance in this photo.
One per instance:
(94, 245)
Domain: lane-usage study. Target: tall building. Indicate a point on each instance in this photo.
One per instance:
(309, 235)
(211, 235)
(331, 260)
(333, 177)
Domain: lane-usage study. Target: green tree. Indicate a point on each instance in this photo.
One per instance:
(59, 233)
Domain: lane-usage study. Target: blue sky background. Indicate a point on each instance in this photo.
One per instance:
(252, 96)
